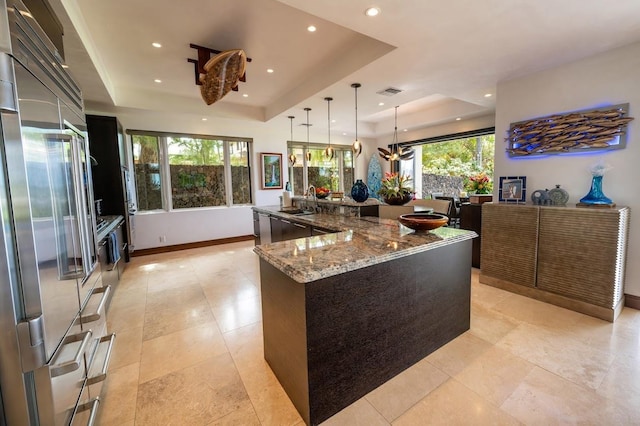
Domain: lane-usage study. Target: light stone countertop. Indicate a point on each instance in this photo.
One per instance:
(358, 243)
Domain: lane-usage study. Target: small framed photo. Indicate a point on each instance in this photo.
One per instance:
(271, 170)
(513, 189)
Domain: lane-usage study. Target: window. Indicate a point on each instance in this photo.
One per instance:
(336, 174)
(199, 171)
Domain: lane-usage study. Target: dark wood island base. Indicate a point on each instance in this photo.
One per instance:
(333, 340)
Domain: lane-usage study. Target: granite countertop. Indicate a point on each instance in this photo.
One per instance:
(357, 243)
(346, 201)
(112, 222)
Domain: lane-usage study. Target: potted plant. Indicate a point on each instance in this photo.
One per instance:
(396, 189)
(479, 184)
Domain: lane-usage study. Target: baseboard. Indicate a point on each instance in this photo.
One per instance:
(631, 301)
(187, 246)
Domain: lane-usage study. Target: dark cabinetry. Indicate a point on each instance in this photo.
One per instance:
(110, 174)
(471, 220)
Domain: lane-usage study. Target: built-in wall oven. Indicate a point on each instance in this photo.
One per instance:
(53, 340)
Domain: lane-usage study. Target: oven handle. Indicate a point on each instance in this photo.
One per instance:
(90, 405)
(74, 364)
(95, 316)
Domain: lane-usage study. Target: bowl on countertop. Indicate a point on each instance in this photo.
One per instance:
(423, 221)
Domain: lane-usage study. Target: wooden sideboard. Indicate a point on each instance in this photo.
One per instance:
(568, 256)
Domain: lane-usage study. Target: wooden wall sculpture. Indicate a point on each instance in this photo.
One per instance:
(580, 131)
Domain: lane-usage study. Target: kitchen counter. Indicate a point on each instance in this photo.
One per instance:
(344, 312)
(357, 243)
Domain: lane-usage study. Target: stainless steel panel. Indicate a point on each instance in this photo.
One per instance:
(5, 38)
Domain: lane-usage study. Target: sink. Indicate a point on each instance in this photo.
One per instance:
(297, 212)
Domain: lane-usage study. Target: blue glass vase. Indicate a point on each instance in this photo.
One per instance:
(359, 191)
(595, 195)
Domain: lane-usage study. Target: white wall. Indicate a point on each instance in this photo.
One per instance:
(607, 79)
(193, 225)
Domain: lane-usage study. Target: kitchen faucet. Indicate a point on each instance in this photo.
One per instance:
(311, 187)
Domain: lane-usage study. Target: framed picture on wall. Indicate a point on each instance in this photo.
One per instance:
(271, 169)
(513, 189)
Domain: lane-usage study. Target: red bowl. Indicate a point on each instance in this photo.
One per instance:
(423, 221)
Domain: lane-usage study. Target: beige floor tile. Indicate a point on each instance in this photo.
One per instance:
(490, 325)
(360, 413)
(160, 281)
(457, 354)
(129, 296)
(272, 405)
(175, 351)
(558, 353)
(622, 384)
(543, 398)
(223, 292)
(160, 322)
(118, 400)
(238, 314)
(126, 348)
(245, 346)
(454, 404)
(123, 318)
(403, 391)
(486, 295)
(245, 416)
(495, 374)
(186, 295)
(532, 311)
(196, 395)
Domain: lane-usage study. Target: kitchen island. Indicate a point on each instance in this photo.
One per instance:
(345, 312)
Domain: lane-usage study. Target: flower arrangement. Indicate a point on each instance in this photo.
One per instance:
(480, 184)
(394, 185)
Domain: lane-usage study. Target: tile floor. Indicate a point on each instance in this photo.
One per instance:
(189, 352)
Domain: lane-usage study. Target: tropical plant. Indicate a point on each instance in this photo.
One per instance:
(480, 184)
(394, 185)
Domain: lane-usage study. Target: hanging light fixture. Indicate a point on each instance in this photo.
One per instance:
(357, 146)
(308, 125)
(329, 152)
(396, 153)
(292, 156)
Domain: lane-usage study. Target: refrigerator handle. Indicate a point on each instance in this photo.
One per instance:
(74, 364)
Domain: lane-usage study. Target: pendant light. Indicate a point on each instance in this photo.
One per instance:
(308, 125)
(357, 146)
(396, 153)
(292, 156)
(329, 152)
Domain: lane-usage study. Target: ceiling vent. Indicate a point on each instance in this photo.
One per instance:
(390, 91)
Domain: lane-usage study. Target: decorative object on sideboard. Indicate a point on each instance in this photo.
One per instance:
(359, 191)
(374, 176)
(513, 189)
(595, 197)
(558, 196)
(540, 197)
(220, 74)
(271, 169)
(423, 221)
(292, 156)
(396, 189)
(587, 130)
(479, 184)
(397, 153)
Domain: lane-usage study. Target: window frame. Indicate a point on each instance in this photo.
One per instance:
(165, 172)
(339, 158)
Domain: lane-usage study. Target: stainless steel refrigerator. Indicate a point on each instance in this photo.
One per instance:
(54, 349)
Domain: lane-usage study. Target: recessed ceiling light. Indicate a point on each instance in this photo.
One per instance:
(245, 95)
(381, 104)
(157, 80)
(311, 28)
(333, 121)
(344, 134)
(204, 119)
(458, 119)
(404, 130)
(487, 95)
(372, 11)
(156, 44)
(269, 70)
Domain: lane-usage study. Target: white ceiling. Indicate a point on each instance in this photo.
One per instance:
(443, 55)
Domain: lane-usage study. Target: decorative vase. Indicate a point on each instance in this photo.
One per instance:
(398, 200)
(359, 191)
(595, 195)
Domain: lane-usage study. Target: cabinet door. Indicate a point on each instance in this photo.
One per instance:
(579, 254)
(276, 229)
(299, 230)
(509, 243)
